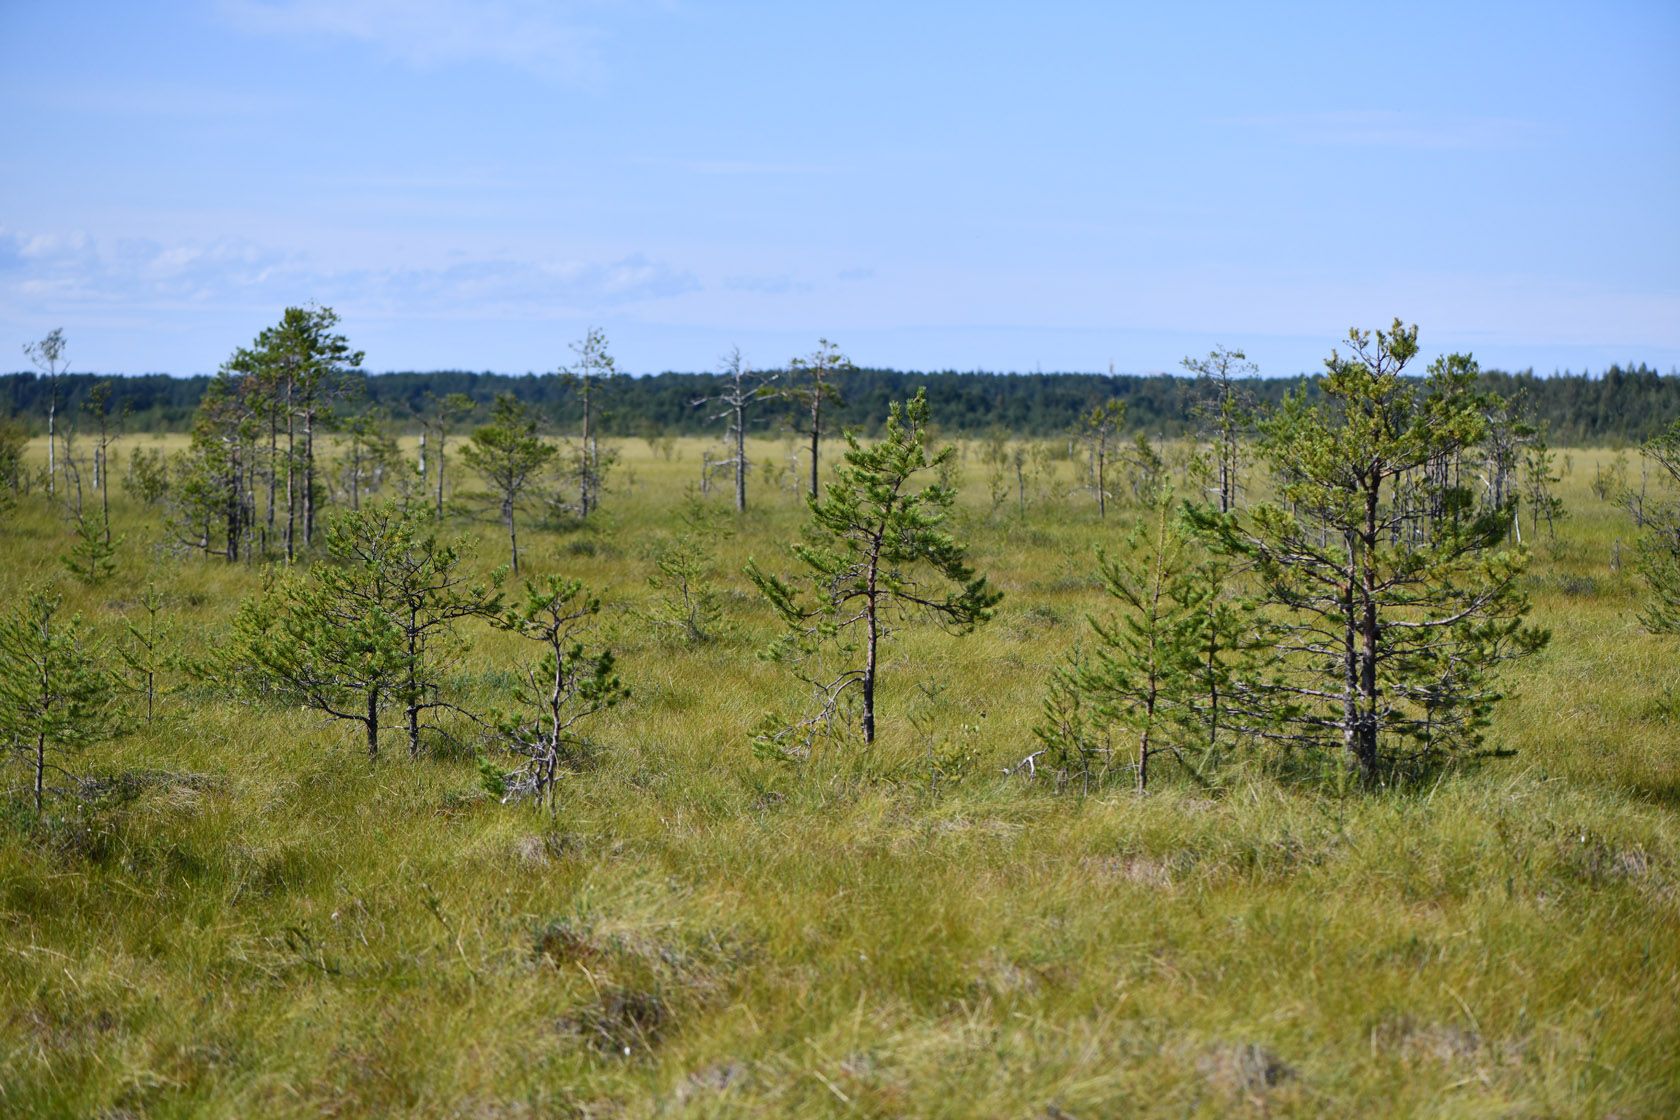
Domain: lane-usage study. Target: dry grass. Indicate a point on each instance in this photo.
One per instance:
(257, 923)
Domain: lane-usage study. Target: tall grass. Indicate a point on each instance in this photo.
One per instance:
(247, 919)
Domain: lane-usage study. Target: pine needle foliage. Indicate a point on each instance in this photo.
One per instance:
(1163, 667)
(1659, 547)
(508, 454)
(1393, 594)
(876, 556)
(372, 628)
(567, 685)
(56, 694)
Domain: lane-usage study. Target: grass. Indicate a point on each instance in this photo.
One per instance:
(249, 920)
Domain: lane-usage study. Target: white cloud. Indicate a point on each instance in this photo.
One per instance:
(528, 34)
(65, 271)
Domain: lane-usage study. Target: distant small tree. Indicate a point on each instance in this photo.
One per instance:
(743, 388)
(1100, 429)
(56, 695)
(869, 543)
(451, 408)
(688, 608)
(588, 375)
(92, 555)
(47, 356)
(568, 684)
(810, 386)
(508, 454)
(146, 652)
(1225, 416)
(13, 439)
(1659, 545)
(98, 405)
(1539, 463)
(369, 458)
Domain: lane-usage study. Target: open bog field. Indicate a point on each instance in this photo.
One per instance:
(242, 917)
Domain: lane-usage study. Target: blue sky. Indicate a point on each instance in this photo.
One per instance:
(992, 186)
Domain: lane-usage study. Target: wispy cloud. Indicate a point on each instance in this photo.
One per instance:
(528, 34)
(1391, 129)
(74, 270)
(766, 285)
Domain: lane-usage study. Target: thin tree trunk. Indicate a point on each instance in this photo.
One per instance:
(869, 656)
(40, 767)
(440, 442)
(104, 494)
(291, 475)
(513, 537)
(740, 457)
(373, 725)
(273, 458)
(52, 461)
(816, 434)
(309, 477)
(1369, 637)
(584, 466)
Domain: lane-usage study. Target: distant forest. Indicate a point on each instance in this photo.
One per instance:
(1622, 405)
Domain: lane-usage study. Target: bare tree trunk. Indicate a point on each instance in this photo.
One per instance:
(585, 465)
(740, 457)
(869, 655)
(291, 475)
(104, 494)
(52, 461)
(513, 537)
(816, 434)
(309, 478)
(273, 458)
(440, 443)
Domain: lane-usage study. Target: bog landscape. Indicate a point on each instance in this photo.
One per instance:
(815, 741)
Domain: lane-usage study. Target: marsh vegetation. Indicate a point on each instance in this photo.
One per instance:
(1048, 877)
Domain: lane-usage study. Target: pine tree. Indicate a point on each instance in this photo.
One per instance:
(508, 453)
(1659, 545)
(568, 685)
(1099, 428)
(810, 386)
(869, 541)
(145, 652)
(1392, 618)
(373, 628)
(1163, 666)
(56, 695)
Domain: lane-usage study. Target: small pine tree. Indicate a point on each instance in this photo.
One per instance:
(1155, 668)
(1393, 631)
(56, 695)
(866, 541)
(567, 685)
(144, 653)
(92, 556)
(1659, 546)
(688, 608)
(372, 629)
(508, 454)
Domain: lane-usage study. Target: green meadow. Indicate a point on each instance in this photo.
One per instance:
(237, 915)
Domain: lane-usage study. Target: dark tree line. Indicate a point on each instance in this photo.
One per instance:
(1622, 405)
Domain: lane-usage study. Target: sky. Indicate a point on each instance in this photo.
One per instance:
(1048, 186)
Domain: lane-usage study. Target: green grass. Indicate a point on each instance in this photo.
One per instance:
(254, 922)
